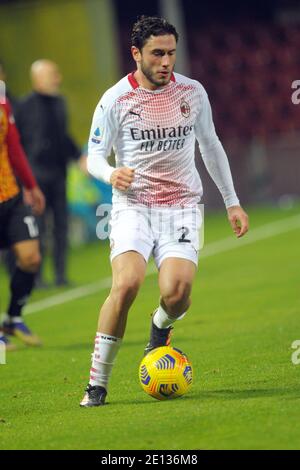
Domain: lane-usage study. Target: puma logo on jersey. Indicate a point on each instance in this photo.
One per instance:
(135, 114)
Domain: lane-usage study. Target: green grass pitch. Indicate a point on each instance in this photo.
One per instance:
(238, 335)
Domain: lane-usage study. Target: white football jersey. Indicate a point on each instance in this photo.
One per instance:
(154, 132)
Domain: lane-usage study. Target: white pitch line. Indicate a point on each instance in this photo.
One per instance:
(72, 294)
(254, 235)
(226, 244)
(76, 293)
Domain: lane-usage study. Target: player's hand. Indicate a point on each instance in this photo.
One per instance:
(121, 178)
(238, 220)
(35, 199)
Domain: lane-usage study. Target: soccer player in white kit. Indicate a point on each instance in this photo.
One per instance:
(151, 118)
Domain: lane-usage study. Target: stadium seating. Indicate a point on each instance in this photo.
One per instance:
(248, 74)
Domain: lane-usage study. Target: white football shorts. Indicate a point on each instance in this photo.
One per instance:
(162, 232)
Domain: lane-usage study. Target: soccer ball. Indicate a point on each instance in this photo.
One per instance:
(165, 373)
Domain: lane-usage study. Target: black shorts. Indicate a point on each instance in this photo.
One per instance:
(17, 223)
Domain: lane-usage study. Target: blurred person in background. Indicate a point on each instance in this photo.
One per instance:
(42, 122)
(8, 255)
(18, 228)
(11, 98)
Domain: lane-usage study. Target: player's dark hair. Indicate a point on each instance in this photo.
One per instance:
(147, 26)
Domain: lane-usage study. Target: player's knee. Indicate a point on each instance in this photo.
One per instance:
(177, 299)
(125, 290)
(30, 261)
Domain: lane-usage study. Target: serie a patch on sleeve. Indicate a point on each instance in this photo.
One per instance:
(97, 136)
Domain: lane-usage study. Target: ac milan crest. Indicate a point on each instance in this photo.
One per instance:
(185, 109)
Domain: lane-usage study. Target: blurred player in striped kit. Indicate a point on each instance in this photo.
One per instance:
(152, 118)
(18, 229)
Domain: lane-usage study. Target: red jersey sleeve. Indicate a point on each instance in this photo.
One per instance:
(16, 154)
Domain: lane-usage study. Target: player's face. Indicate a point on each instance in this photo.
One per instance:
(157, 59)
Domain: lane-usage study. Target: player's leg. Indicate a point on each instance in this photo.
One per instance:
(9, 261)
(22, 236)
(3, 245)
(4, 340)
(176, 276)
(21, 285)
(176, 256)
(128, 270)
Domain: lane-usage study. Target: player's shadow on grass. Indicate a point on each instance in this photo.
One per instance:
(153, 401)
(231, 394)
(227, 394)
(142, 342)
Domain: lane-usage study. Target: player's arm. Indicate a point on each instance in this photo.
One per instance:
(216, 162)
(103, 134)
(32, 193)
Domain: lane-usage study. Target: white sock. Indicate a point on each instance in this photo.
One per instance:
(106, 349)
(162, 320)
(14, 319)
(9, 319)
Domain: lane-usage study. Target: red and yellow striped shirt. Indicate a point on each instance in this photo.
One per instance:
(13, 161)
(8, 184)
